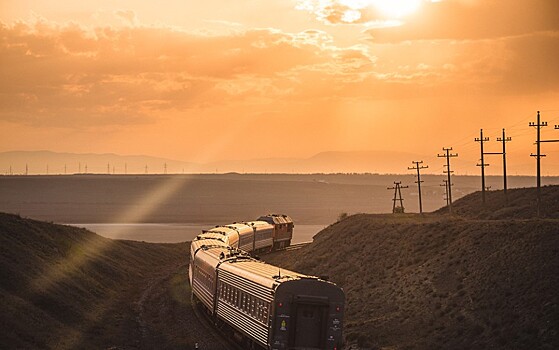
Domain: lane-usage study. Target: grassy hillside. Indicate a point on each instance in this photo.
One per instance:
(519, 204)
(438, 282)
(63, 287)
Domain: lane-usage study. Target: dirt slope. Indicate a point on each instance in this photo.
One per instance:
(63, 287)
(440, 283)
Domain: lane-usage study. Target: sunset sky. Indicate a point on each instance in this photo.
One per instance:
(210, 80)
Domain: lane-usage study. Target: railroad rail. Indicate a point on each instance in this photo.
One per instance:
(295, 246)
(225, 341)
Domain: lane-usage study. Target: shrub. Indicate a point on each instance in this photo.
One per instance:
(342, 216)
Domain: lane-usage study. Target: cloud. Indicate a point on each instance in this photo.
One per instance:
(64, 74)
(70, 76)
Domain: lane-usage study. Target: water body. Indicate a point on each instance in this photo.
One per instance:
(175, 233)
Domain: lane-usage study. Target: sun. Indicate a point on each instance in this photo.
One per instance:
(396, 8)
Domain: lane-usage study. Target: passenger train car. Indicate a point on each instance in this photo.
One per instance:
(269, 307)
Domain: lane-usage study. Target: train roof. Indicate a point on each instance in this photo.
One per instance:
(258, 223)
(267, 275)
(276, 219)
(211, 235)
(239, 227)
(223, 230)
(244, 266)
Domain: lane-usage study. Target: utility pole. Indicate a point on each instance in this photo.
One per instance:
(86, 168)
(397, 192)
(146, 169)
(539, 125)
(448, 155)
(64, 169)
(165, 169)
(447, 191)
(108, 169)
(504, 140)
(418, 182)
(481, 140)
(26, 170)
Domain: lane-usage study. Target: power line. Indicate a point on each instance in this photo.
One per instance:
(418, 182)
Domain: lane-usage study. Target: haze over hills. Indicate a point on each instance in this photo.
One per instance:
(381, 162)
(325, 162)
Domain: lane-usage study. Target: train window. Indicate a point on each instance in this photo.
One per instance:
(266, 308)
(250, 301)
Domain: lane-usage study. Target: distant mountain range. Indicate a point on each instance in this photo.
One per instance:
(43, 162)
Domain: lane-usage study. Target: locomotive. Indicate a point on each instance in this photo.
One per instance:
(264, 305)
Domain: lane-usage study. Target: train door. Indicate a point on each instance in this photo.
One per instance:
(309, 328)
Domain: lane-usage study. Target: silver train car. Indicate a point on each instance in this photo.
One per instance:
(267, 307)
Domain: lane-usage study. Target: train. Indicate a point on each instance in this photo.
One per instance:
(263, 306)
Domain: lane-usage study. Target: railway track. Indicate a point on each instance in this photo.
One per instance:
(225, 340)
(294, 247)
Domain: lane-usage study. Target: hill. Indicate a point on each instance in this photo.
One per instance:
(519, 204)
(440, 282)
(63, 287)
(36, 162)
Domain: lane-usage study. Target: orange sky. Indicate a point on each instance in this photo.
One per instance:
(211, 80)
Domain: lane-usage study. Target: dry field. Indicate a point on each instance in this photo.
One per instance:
(220, 198)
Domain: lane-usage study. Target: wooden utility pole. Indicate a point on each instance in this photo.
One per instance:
(418, 182)
(539, 125)
(448, 155)
(397, 197)
(446, 197)
(481, 140)
(504, 140)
